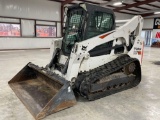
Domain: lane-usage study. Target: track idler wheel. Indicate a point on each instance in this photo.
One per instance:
(129, 69)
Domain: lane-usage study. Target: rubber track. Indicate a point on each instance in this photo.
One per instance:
(86, 79)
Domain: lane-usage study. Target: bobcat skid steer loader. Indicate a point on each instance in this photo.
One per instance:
(93, 59)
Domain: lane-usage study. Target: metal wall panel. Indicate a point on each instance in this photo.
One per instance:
(58, 29)
(36, 9)
(45, 23)
(28, 28)
(29, 9)
(9, 20)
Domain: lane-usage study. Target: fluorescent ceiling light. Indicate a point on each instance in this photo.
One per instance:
(156, 12)
(117, 3)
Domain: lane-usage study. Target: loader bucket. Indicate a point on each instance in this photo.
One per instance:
(41, 91)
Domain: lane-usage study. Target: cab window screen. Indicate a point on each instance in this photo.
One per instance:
(100, 23)
(72, 32)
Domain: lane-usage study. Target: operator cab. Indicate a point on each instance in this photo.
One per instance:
(85, 21)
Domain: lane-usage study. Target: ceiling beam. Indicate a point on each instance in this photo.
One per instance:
(126, 9)
(111, 6)
(143, 8)
(72, 3)
(149, 4)
(132, 10)
(55, 0)
(127, 13)
(134, 5)
(106, 5)
(107, 0)
(150, 13)
(90, 2)
(66, 2)
(136, 0)
(137, 6)
(154, 6)
(147, 14)
(144, 15)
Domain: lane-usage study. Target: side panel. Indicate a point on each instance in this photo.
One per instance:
(55, 44)
(124, 32)
(137, 49)
(80, 59)
(93, 62)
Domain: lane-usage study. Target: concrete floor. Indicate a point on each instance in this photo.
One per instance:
(141, 102)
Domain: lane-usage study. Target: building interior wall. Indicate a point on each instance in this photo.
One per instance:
(38, 10)
(28, 9)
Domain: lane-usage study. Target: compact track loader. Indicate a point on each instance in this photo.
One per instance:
(94, 59)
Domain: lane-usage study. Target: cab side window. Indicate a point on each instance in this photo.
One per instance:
(100, 23)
